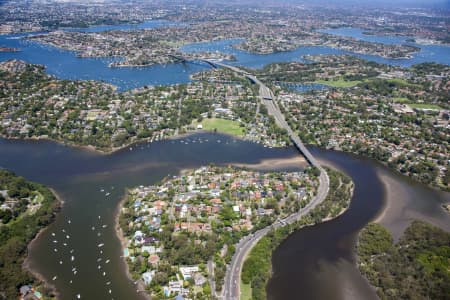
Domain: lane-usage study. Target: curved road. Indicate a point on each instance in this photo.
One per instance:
(231, 289)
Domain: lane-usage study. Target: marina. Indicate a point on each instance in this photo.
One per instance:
(90, 171)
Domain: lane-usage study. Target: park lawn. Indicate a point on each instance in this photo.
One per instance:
(424, 106)
(339, 83)
(223, 126)
(246, 291)
(400, 100)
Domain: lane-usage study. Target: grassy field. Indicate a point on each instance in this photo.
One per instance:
(340, 83)
(424, 106)
(223, 126)
(246, 291)
(400, 100)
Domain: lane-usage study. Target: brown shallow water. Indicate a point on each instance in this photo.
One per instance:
(313, 263)
(318, 262)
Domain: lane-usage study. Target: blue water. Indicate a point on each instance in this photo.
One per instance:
(65, 65)
(428, 53)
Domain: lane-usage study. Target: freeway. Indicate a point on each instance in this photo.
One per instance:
(231, 288)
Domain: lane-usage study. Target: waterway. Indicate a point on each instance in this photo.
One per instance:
(78, 176)
(307, 261)
(319, 262)
(66, 65)
(313, 263)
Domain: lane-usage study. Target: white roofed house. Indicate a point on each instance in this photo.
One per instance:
(148, 276)
(188, 271)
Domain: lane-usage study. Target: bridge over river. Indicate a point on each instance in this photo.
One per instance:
(231, 289)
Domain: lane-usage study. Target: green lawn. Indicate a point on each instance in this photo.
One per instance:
(339, 83)
(223, 126)
(424, 106)
(400, 99)
(246, 291)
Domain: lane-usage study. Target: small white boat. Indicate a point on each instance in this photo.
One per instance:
(104, 226)
(56, 250)
(54, 278)
(53, 234)
(102, 190)
(67, 237)
(60, 262)
(107, 194)
(104, 273)
(78, 296)
(99, 259)
(69, 221)
(107, 261)
(72, 258)
(55, 241)
(93, 227)
(108, 283)
(101, 245)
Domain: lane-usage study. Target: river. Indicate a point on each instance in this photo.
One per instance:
(319, 262)
(313, 263)
(66, 65)
(317, 256)
(78, 177)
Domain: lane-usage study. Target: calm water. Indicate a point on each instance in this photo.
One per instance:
(307, 260)
(314, 263)
(78, 176)
(65, 65)
(318, 262)
(428, 53)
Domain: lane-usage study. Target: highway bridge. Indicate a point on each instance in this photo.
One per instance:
(231, 288)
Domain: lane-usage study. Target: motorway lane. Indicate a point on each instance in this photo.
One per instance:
(231, 290)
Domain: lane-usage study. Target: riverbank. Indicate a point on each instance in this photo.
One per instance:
(50, 288)
(401, 207)
(277, 164)
(113, 150)
(26, 264)
(123, 242)
(19, 235)
(257, 268)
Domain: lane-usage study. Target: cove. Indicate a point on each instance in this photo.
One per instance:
(313, 257)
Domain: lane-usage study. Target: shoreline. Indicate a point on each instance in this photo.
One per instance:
(119, 233)
(26, 263)
(398, 209)
(93, 149)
